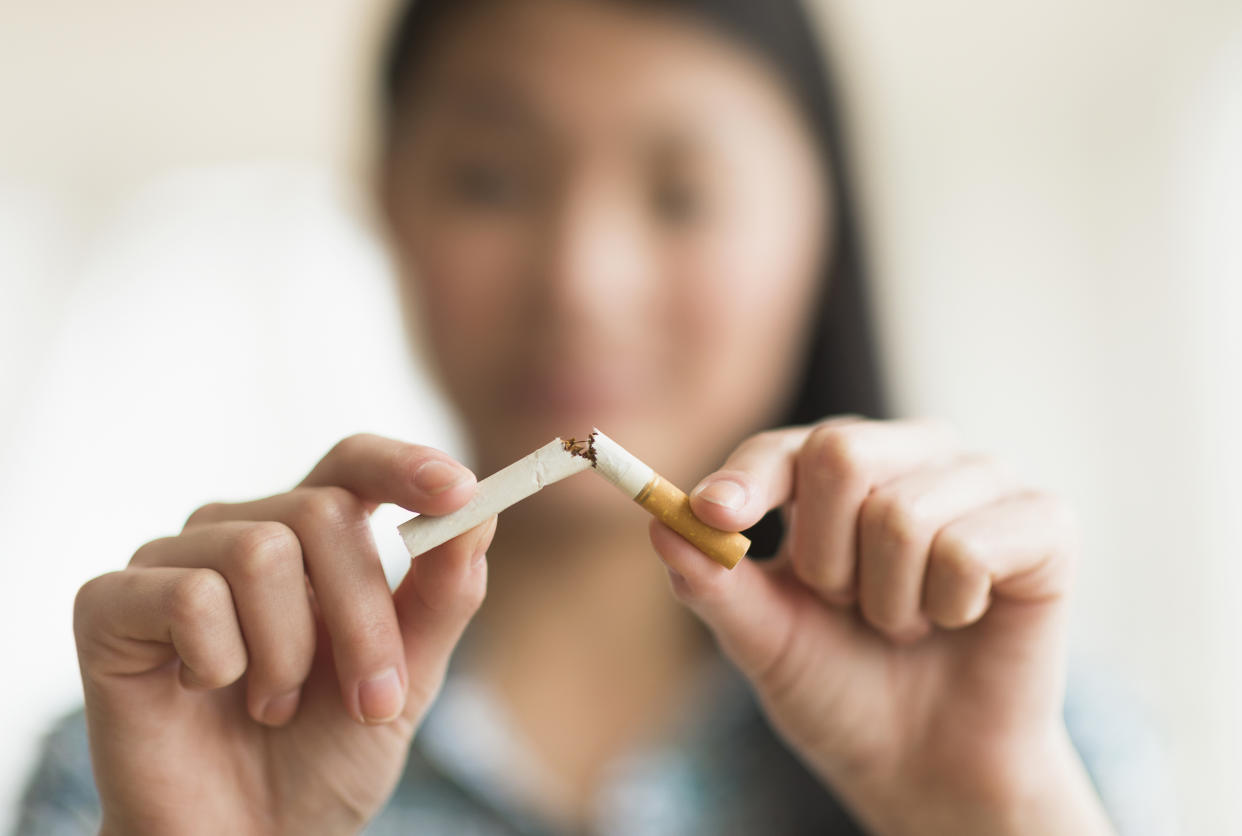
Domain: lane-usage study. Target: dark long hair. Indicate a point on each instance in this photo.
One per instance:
(840, 372)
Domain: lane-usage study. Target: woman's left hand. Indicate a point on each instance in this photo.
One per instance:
(908, 640)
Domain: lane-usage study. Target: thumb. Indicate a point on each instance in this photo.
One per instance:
(751, 612)
(435, 601)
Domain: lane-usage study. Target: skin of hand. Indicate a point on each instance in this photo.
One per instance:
(255, 674)
(908, 640)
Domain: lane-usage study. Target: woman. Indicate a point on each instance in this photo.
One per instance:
(631, 215)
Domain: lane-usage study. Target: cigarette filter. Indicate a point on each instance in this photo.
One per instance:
(550, 463)
(663, 500)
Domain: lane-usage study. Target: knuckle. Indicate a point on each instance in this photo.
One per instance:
(200, 595)
(350, 445)
(85, 602)
(959, 554)
(262, 549)
(210, 512)
(900, 521)
(833, 450)
(148, 553)
(332, 506)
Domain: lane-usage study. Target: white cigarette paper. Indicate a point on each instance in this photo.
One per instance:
(550, 463)
(620, 466)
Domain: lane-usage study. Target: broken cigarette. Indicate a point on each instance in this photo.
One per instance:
(663, 500)
(560, 459)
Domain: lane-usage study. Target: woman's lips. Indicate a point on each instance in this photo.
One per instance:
(573, 392)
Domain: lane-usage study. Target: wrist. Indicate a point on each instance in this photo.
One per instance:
(1043, 789)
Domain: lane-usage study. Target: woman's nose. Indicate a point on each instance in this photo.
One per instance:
(598, 263)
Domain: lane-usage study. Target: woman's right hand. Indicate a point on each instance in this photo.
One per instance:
(254, 674)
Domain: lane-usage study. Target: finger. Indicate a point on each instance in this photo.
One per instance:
(350, 590)
(1021, 548)
(136, 621)
(897, 524)
(376, 470)
(262, 563)
(836, 469)
(753, 480)
(747, 608)
(757, 477)
(436, 600)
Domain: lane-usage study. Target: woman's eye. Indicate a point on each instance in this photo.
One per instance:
(484, 185)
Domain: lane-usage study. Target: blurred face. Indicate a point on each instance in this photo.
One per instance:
(606, 215)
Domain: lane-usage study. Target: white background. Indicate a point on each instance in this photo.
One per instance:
(1053, 193)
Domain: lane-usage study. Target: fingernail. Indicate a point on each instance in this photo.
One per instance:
(723, 492)
(280, 708)
(435, 476)
(381, 698)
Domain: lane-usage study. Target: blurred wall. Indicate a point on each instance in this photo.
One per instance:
(1051, 190)
(99, 97)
